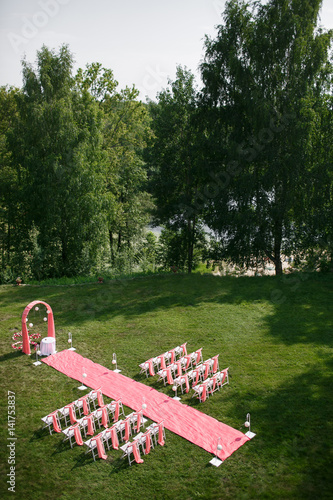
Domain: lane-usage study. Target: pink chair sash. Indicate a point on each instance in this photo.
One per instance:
(71, 413)
(204, 393)
(127, 429)
(55, 421)
(179, 368)
(114, 438)
(138, 421)
(151, 367)
(90, 425)
(136, 453)
(100, 398)
(198, 353)
(188, 360)
(77, 435)
(216, 362)
(147, 434)
(160, 435)
(197, 371)
(116, 412)
(183, 346)
(214, 382)
(84, 405)
(104, 416)
(100, 448)
(206, 369)
(224, 375)
(162, 358)
(169, 376)
(172, 352)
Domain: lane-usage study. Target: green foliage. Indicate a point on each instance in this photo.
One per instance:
(264, 75)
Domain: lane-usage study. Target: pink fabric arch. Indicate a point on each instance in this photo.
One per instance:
(50, 324)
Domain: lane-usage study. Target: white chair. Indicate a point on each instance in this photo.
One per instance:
(223, 377)
(98, 415)
(132, 451)
(201, 392)
(65, 413)
(112, 409)
(52, 421)
(146, 442)
(84, 423)
(181, 382)
(165, 375)
(92, 447)
(96, 398)
(70, 434)
(81, 404)
(157, 431)
(124, 428)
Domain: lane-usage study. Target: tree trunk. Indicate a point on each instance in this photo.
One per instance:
(111, 247)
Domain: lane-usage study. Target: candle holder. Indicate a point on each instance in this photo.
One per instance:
(174, 388)
(70, 341)
(84, 375)
(114, 362)
(37, 362)
(247, 424)
(217, 461)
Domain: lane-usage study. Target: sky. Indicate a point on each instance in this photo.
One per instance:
(142, 41)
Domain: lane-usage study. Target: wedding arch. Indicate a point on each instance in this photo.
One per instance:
(50, 324)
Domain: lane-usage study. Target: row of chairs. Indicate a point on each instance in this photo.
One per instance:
(163, 360)
(68, 413)
(88, 424)
(173, 374)
(154, 434)
(210, 385)
(111, 436)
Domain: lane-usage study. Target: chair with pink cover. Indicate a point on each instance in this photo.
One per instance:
(132, 451)
(101, 416)
(51, 421)
(96, 397)
(73, 433)
(68, 413)
(124, 428)
(96, 447)
(83, 405)
(166, 376)
(157, 432)
(115, 408)
(223, 377)
(201, 392)
(146, 442)
(137, 421)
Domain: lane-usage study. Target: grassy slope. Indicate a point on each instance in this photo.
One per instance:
(275, 335)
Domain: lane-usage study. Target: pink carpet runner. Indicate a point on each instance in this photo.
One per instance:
(187, 422)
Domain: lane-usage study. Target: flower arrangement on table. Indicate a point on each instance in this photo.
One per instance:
(19, 344)
(18, 280)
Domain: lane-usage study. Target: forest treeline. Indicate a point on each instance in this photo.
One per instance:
(86, 167)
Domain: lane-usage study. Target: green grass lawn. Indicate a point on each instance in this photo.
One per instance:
(275, 334)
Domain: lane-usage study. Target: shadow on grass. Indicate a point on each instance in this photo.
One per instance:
(294, 432)
(10, 355)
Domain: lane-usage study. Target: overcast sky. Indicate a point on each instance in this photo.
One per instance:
(142, 41)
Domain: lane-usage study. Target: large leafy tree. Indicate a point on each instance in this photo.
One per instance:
(126, 128)
(57, 142)
(266, 67)
(176, 163)
(11, 215)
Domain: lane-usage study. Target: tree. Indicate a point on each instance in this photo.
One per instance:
(11, 215)
(260, 73)
(176, 162)
(126, 128)
(57, 142)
